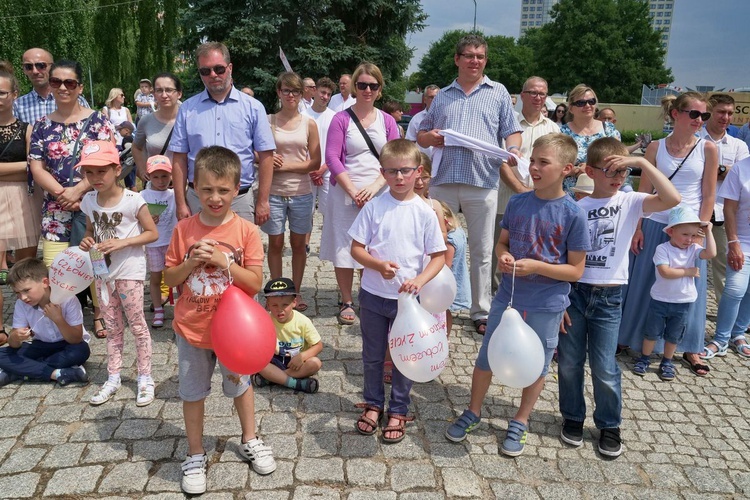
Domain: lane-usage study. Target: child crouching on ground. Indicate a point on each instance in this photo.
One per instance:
(391, 236)
(207, 250)
(543, 241)
(674, 289)
(296, 359)
(48, 341)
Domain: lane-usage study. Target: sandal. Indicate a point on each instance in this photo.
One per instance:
(163, 303)
(260, 381)
(158, 320)
(400, 427)
(741, 347)
(100, 329)
(666, 371)
(480, 325)
(697, 368)
(344, 317)
(387, 372)
(308, 385)
(708, 353)
(301, 305)
(363, 418)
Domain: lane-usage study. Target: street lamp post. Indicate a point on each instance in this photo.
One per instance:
(475, 16)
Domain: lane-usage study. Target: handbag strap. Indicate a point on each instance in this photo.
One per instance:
(166, 143)
(77, 145)
(683, 160)
(364, 134)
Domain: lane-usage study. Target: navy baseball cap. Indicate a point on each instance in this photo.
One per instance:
(279, 287)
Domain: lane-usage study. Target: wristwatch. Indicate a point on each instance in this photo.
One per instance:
(722, 169)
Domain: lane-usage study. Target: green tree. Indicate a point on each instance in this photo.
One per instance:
(323, 38)
(607, 44)
(507, 62)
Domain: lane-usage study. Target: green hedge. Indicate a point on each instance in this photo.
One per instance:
(628, 136)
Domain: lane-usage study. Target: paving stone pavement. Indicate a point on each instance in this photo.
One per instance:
(684, 439)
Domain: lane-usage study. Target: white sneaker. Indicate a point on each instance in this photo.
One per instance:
(194, 474)
(105, 393)
(259, 455)
(145, 394)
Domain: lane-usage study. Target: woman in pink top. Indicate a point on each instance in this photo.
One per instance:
(297, 154)
(355, 175)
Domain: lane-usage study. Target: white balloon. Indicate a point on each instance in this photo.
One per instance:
(438, 294)
(417, 341)
(515, 353)
(70, 273)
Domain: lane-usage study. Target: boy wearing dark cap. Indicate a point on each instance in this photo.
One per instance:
(296, 359)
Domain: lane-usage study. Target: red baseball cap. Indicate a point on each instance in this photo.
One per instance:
(99, 154)
(158, 162)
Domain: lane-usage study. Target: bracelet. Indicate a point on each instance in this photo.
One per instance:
(733, 241)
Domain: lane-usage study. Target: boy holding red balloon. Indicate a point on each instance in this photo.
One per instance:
(541, 248)
(592, 321)
(208, 252)
(296, 358)
(391, 236)
(48, 341)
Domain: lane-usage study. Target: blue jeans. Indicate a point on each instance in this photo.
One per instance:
(666, 320)
(734, 309)
(37, 360)
(376, 316)
(595, 314)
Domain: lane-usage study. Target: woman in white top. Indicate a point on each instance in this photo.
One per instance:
(114, 109)
(692, 165)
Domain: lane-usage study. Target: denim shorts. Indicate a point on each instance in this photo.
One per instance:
(666, 320)
(545, 324)
(196, 367)
(296, 208)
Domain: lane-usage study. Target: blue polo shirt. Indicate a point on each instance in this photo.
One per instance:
(238, 123)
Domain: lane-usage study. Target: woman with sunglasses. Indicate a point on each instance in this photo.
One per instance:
(297, 154)
(114, 109)
(56, 144)
(155, 129)
(584, 128)
(692, 165)
(20, 226)
(558, 116)
(352, 159)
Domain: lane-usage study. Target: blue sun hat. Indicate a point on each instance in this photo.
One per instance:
(682, 214)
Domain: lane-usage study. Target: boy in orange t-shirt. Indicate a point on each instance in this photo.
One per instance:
(205, 251)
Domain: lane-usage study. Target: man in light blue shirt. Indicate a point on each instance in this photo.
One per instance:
(480, 108)
(221, 115)
(39, 102)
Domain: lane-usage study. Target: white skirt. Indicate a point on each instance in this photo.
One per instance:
(335, 242)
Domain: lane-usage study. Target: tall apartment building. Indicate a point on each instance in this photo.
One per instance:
(535, 13)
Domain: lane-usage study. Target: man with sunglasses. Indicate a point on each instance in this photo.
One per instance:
(308, 93)
(344, 100)
(731, 150)
(39, 102)
(221, 115)
(478, 107)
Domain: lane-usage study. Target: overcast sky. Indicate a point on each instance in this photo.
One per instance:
(701, 51)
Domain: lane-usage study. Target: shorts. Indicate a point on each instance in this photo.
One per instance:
(196, 367)
(296, 208)
(156, 256)
(281, 362)
(545, 324)
(666, 320)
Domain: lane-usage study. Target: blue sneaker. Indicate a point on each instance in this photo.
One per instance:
(515, 441)
(72, 374)
(463, 425)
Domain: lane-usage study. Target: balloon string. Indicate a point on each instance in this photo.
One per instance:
(512, 286)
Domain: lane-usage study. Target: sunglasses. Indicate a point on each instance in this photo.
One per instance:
(694, 113)
(70, 84)
(582, 102)
(40, 66)
(363, 86)
(218, 69)
(614, 173)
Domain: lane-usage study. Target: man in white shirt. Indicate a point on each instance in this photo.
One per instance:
(731, 150)
(534, 125)
(308, 92)
(341, 101)
(322, 114)
(411, 133)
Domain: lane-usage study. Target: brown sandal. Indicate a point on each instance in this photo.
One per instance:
(344, 317)
(400, 427)
(100, 329)
(363, 418)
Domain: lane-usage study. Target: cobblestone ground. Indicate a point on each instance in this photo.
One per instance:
(682, 439)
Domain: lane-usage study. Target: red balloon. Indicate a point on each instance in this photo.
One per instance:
(242, 333)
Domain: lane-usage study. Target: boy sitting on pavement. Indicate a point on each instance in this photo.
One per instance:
(592, 321)
(48, 341)
(544, 240)
(296, 359)
(208, 252)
